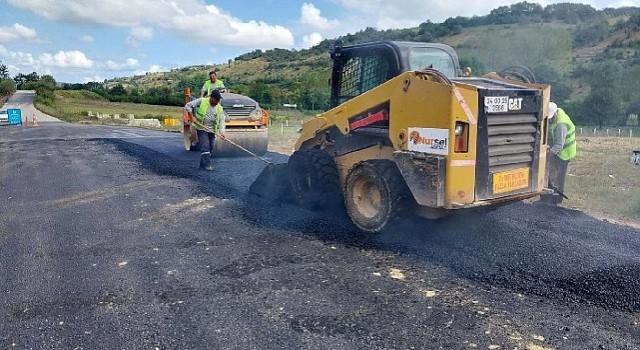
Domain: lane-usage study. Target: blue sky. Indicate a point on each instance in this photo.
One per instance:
(88, 40)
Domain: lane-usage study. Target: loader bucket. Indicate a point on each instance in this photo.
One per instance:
(271, 184)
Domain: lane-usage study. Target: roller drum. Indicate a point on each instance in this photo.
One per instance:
(255, 140)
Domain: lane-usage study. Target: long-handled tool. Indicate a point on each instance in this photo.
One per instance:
(271, 182)
(207, 129)
(558, 191)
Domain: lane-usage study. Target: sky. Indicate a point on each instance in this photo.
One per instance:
(78, 41)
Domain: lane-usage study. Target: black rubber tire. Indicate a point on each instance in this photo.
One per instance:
(376, 194)
(313, 180)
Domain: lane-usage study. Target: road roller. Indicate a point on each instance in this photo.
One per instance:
(246, 124)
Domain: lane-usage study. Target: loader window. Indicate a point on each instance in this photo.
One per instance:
(360, 74)
(425, 57)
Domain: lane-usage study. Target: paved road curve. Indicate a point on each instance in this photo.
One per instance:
(110, 238)
(23, 100)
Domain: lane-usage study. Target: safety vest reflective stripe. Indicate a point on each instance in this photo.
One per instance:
(567, 145)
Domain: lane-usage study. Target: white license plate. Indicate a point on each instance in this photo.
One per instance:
(496, 104)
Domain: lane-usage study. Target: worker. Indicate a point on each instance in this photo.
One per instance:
(209, 123)
(563, 149)
(213, 83)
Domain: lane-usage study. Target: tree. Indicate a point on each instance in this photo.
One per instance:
(546, 74)
(603, 104)
(4, 71)
(21, 79)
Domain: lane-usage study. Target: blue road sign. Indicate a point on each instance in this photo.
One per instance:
(15, 116)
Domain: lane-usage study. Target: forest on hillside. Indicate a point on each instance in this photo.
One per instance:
(590, 57)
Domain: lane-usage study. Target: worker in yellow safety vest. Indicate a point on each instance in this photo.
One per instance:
(563, 149)
(213, 83)
(210, 122)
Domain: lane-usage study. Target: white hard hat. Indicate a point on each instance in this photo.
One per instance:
(553, 108)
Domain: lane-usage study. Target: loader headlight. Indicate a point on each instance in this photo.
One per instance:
(461, 132)
(255, 115)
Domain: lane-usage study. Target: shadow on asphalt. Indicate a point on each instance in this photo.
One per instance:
(541, 250)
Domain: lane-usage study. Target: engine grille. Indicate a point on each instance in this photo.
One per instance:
(239, 112)
(512, 140)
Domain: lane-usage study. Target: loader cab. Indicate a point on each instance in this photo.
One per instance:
(360, 68)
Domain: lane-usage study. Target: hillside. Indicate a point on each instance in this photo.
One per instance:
(585, 54)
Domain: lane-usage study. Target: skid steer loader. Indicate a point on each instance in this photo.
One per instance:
(246, 124)
(407, 133)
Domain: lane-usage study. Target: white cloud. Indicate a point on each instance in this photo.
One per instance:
(66, 59)
(87, 39)
(17, 32)
(129, 64)
(139, 34)
(95, 78)
(311, 16)
(179, 18)
(19, 59)
(311, 40)
(155, 68)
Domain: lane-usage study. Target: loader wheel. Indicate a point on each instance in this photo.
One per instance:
(376, 194)
(314, 181)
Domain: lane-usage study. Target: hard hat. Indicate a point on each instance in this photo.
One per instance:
(553, 108)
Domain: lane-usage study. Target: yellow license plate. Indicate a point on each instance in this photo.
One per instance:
(511, 180)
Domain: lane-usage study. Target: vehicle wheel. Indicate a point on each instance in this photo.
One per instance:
(314, 181)
(190, 138)
(376, 194)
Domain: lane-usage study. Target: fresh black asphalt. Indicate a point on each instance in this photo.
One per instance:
(111, 238)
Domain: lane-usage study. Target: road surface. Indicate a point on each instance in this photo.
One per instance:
(23, 100)
(111, 238)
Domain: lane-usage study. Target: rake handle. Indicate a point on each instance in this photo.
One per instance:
(207, 129)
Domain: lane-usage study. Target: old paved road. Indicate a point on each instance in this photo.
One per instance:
(110, 238)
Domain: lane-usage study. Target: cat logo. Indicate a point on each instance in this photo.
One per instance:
(515, 104)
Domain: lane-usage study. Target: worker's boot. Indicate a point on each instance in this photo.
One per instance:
(205, 162)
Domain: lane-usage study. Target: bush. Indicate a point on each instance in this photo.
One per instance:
(7, 87)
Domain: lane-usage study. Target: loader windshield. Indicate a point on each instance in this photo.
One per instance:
(430, 57)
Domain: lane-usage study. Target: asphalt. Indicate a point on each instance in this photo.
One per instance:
(111, 238)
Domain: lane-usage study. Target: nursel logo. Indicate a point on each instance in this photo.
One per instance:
(435, 143)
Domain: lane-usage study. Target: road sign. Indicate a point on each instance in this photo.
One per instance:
(15, 116)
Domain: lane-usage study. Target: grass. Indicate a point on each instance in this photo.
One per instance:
(602, 180)
(283, 131)
(74, 106)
